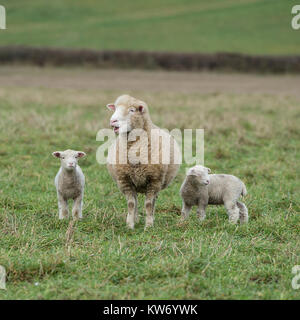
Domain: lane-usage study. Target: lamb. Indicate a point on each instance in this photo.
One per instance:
(69, 183)
(138, 173)
(201, 188)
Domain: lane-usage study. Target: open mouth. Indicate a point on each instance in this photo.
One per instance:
(116, 129)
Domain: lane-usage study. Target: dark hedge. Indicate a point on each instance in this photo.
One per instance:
(150, 60)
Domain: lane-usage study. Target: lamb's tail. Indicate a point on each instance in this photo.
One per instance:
(244, 190)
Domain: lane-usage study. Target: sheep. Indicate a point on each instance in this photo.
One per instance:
(139, 174)
(69, 183)
(201, 188)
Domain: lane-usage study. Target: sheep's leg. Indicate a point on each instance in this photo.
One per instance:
(132, 207)
(136, 212)
(233, 211)
(185, 211)
(77, 208)
(149, 207)
(131, 197)
(63, 211)
(201, 212)
(243, 212)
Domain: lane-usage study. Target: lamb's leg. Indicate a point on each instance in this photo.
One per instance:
(132, 205)
(149, 207)
(243, 212)
(185, 211)
(63, 211)
(232, 210)
(201, 212)
(77, 208)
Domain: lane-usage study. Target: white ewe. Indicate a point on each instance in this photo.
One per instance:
(140, 174)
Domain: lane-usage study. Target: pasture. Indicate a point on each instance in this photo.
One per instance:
(248, 26)
(251, 130)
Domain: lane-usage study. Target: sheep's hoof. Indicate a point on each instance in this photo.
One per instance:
(148, 226)
(130, 226)
(130, 222)
(184, 216)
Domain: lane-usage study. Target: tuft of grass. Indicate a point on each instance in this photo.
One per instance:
(253, 136)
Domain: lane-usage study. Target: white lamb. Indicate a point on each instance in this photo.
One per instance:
(200, 189)
(69, 183)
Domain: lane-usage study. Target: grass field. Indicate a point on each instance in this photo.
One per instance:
(248, 26)
(250, 133)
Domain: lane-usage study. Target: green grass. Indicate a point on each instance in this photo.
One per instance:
(248, 26)
(253, 136)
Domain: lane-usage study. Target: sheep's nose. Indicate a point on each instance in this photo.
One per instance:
(112, 122)
(71, 164)
(207, 181)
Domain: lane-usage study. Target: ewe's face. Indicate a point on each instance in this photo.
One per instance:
(69, 158)
(201, 174)
(126, 118)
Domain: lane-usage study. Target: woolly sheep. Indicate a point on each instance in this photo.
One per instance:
(139, 175)
(201, 188)
(69, 183)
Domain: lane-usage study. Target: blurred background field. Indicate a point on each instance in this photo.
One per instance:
(248, 26)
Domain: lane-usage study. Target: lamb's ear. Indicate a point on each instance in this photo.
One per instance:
(56, 154)
(111, 107)
(81, 154)
(192, 172)
(208, 170)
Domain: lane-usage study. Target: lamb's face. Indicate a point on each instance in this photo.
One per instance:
(128, 114)
(69, 158)
(201, 174)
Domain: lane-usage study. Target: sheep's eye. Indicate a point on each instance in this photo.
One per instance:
(62, 157)
(132, 110)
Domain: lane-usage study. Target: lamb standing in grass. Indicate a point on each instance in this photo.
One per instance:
(201, 188)
(69, 183)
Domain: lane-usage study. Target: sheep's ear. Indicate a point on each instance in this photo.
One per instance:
(141, 108)
(111, 106)
(81, 154)
(208, 170)
(56, 154)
